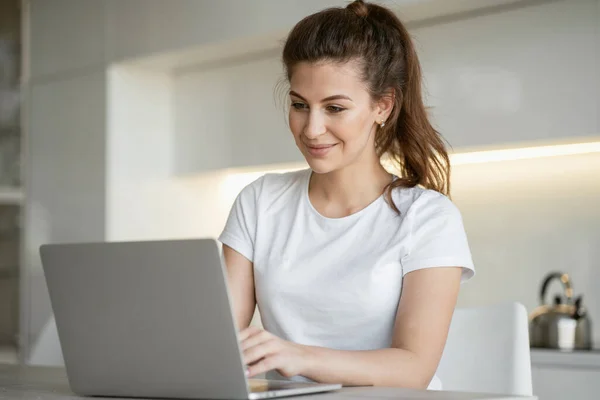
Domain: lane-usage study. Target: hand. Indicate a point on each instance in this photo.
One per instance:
(264, 352)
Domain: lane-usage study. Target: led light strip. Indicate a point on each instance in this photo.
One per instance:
(240, 178)
(524, 153)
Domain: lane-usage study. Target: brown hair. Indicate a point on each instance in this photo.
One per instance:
(373, 36)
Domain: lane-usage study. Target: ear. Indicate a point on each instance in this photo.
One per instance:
(385, 105)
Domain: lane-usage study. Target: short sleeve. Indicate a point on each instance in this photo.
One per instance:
(240, 229)
(438, 237)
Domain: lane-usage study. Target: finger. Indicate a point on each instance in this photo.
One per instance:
(261, 351)
(249, 331)
(255, 340)
(265, 365)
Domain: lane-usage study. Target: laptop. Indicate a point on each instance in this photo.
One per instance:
(151, 319)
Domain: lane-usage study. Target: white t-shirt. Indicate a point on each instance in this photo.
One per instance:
(336, 282)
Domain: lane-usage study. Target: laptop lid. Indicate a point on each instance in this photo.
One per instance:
(145, 319)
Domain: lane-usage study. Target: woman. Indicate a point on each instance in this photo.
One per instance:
(356, 272)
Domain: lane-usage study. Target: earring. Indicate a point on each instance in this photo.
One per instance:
(382, 124)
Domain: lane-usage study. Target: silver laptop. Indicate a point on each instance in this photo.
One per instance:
(151, 319)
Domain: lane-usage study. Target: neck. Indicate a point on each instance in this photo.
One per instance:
(348, 190)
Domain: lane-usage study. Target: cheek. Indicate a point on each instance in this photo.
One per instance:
(353, 130)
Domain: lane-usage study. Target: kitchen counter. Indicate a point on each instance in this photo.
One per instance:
(50, 383)
(566, 359)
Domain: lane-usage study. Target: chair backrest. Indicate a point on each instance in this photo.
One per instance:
(488, 351)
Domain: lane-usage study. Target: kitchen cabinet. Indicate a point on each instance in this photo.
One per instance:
(559, 376)
(489, 90)
(133, 24)
(232, 115)
(503, 78)
(65, 178)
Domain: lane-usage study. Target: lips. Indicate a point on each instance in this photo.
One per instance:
(319, 150)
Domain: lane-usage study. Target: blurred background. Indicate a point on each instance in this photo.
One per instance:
(143, 119)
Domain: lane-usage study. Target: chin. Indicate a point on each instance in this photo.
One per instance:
(321, 166)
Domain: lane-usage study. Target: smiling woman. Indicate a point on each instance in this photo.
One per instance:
(356, 272)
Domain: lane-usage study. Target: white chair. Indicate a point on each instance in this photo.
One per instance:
(47, 350)
(488, 351)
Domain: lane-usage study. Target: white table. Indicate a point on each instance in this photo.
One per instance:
(50, 383)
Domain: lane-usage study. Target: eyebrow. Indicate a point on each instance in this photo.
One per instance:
(334, 97)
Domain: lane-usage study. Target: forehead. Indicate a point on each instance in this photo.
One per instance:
(315, 81)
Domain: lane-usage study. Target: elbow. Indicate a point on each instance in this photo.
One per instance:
(423, 380)
(422, 372)
(412, 372)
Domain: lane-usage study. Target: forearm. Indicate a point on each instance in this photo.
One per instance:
(384, 367)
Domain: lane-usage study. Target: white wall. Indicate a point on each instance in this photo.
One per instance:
(530, 217)
(66, 36)
(139, 149)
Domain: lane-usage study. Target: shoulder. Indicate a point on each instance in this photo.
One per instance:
(423, 204)
(436, 232)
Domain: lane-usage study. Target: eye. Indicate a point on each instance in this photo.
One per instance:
(299, 106)
(335, 109)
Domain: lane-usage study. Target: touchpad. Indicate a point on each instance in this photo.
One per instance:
(264, 385)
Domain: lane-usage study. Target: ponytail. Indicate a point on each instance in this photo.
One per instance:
(415, 148)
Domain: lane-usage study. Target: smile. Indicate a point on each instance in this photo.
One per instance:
(319, 150)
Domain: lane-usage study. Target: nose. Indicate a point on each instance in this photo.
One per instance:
(315, 126)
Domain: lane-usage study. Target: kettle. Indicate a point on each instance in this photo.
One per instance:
(563, 325)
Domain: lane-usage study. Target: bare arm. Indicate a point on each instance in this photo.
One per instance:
(240, 277)
(422, 322)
